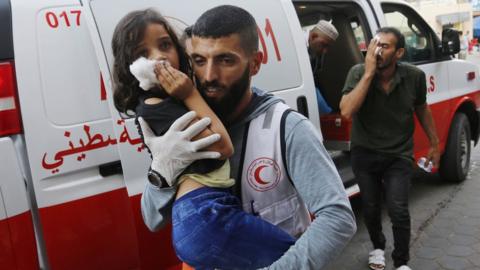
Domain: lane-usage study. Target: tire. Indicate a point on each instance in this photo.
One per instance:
(455, 162)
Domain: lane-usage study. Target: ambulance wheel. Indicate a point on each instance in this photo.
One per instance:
(455, 162)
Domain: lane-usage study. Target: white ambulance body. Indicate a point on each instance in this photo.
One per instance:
(66, 201)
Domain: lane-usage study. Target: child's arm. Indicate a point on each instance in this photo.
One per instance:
(177, 84)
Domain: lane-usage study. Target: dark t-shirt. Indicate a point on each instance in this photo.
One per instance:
(385, 122)
(160, 117)
(316, 64)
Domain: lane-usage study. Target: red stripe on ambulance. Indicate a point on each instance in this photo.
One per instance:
(91, 222)
(17, 243)
(91, 233)
(443, 113)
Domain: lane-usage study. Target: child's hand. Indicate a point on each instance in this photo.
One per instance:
(175, 82)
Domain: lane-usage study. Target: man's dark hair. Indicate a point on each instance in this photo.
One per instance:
(187, 34)
(398, 35)
(188, 31)
(223, 21)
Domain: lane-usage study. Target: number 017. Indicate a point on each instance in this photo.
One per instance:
(54, 20)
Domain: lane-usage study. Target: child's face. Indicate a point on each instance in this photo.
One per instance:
(157, 45)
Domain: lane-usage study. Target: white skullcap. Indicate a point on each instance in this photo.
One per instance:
(327, 29)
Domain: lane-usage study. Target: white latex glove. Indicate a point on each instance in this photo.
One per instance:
(173, 152)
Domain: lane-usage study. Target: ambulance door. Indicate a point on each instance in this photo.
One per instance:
(422, 48)
(279, 73)
(353, 21)
(85, 217)
(7, 257)
(17, 238)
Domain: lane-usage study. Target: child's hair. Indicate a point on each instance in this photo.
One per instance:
(128, 33)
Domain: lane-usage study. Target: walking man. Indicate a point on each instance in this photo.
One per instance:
(381, 97)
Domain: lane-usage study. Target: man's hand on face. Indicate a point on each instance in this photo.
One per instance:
(174, 151)
(371, 58)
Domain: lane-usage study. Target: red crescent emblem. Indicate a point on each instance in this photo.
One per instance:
(257, 175)
(271, 176)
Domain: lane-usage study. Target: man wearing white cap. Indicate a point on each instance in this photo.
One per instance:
(320, 38)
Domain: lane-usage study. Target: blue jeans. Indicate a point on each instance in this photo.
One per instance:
(323, 107)
(210, 230)
(378, 174)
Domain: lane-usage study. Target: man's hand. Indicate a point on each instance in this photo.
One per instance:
(424, 116)
(434, 156)
(352, 101)
(371, 58)
(173, 152)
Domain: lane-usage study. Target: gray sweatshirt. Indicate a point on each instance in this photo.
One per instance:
(314, 176)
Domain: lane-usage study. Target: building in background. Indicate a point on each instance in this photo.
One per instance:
(476, 18)
(441, 14)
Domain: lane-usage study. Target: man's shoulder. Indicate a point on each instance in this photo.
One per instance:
(300, 131)
(358, 68)
(291, 117)
(295, 117)
(410, 69)
(292, 121)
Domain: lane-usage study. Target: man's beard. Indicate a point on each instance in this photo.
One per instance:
(232, 95)
(385, 63)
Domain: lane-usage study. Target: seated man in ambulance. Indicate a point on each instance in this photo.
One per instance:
(320, 38)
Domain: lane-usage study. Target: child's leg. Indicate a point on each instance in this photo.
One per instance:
(255, 240)
(211, 231)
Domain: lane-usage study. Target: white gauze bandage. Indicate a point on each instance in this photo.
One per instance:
(143, 70)
(378, 50)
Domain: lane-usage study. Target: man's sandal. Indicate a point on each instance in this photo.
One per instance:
(376, 259)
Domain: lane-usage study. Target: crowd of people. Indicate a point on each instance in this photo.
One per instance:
(207, 129)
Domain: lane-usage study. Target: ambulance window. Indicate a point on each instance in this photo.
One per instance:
(72, 86)
(359, 33)
(419, 39)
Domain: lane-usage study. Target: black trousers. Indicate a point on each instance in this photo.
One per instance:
(378, 174)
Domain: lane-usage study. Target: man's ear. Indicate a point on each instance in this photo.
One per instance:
(400, 52)
(256, 62)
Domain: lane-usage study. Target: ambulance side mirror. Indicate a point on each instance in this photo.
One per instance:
(450, 41)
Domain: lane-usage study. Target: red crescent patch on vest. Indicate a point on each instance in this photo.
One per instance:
(263, 174)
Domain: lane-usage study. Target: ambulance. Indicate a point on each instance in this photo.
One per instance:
(72, 170)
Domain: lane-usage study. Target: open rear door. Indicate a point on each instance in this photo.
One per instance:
(17, 246)
(84, 211)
